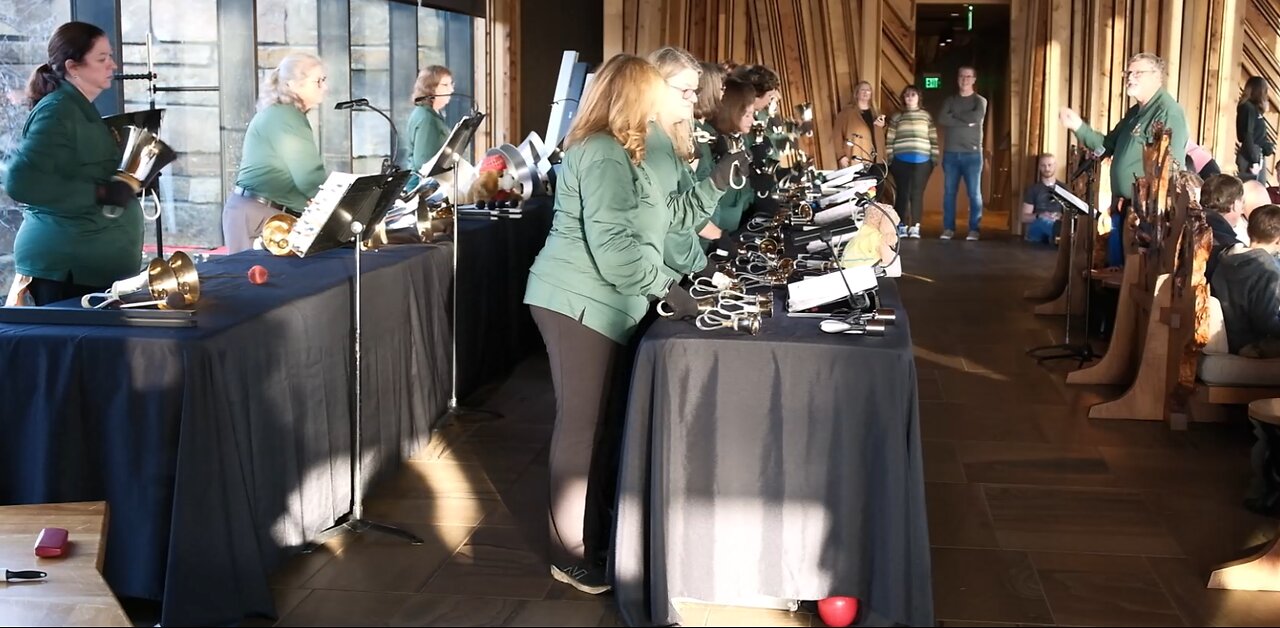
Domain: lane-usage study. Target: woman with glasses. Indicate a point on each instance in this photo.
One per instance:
(427, 129)
(669, 150)
(281, 168)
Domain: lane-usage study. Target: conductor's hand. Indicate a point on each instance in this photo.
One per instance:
(1070, 118)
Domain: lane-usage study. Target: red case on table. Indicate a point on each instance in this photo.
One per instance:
(52, 542)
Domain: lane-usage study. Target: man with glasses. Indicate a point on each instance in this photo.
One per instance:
(1144, 82)
(963, 116)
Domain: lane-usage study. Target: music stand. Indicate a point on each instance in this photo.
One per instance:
(444, 160)
(1073, 205)
(364, 203)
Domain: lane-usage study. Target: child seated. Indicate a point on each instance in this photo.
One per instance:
(1247, 284)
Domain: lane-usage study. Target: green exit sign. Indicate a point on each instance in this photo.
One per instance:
(932, 82)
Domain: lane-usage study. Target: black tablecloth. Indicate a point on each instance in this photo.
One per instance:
(495, 330)
(785, 465)
(222, 447)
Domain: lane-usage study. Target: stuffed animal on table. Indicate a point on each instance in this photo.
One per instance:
(876, 242)
(495, 181)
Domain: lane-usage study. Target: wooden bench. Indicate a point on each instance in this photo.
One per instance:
(1261, 571)
(74, 593)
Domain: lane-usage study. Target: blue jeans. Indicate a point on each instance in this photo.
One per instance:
(954, 166)
(1042, 229)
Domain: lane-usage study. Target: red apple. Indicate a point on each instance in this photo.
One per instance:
(838, 611)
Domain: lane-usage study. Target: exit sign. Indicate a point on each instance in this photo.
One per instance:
(932, 82)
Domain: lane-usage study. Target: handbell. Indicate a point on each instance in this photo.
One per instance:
(275, 234)
(749, 323)
(144, 157)
(188, 279)
(150, 287)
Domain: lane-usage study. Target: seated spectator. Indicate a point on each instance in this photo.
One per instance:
(1041, 212)
(1222, 199)
(1247, 284)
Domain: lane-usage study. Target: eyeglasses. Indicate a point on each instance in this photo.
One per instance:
(688, 93)
(321, 81)
(1132, 73)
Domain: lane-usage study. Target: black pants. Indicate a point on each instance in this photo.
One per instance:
(46, 291)
(583, 364)
(908, 185)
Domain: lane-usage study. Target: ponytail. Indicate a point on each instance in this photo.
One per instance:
(43, 81)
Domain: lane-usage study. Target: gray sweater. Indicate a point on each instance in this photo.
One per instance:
(958, 113)
(1247, 285)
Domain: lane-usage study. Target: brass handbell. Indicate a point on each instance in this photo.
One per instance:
(188, 279)
(144, 157)
(275, 234)
(152, 286)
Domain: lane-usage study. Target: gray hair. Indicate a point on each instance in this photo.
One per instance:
(1155, 60)
(275, 87)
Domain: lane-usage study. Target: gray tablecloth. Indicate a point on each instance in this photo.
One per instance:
(786, 465)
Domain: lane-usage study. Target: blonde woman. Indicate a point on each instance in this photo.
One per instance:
(281, 168)
(668, 153)
(860, 128)
(588, 289)
(427, 128)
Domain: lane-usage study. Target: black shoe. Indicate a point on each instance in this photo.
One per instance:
(588, 580)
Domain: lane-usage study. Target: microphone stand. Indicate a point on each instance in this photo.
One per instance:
(388, 165)
(1066, 350)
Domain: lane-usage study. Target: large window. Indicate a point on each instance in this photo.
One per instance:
(25, 27)
(184, 53)
(389, 43)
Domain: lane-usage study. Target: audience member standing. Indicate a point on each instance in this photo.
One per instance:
(963, 116)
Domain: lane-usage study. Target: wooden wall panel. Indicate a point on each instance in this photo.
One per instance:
(1258, 40)
(496, 42)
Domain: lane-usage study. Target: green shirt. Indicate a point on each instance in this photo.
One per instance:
(1126, 141)
(602, 262)
(65, 152)
(706, 161)
(281, 162)
(682, 251)
(427, 133)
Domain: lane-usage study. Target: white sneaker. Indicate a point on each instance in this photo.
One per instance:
(947, 234)
(914, 231)
(973, 236)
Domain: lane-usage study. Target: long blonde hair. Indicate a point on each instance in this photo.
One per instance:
(428, 80)
(275, 87)
(671, 61)
(623, 97)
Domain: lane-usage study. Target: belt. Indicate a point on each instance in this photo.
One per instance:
(239, 191)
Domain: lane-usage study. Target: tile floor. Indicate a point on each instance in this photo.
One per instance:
(1037, 514)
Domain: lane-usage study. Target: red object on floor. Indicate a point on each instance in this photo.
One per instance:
(258, 275)
(838, 611)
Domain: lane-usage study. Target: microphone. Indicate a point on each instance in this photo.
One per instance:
(352, 104)
(430, 96)
(1087, 164)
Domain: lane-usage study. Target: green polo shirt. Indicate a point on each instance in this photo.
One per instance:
(427, 132)
(1126, 141)
(280, 161)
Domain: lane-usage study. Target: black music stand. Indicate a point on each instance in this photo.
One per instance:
(1074, 207)
(446, 159)
(365, 202)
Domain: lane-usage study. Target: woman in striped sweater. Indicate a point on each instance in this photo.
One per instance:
(911, 146)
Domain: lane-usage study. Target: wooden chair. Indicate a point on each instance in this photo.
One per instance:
(1261, 571)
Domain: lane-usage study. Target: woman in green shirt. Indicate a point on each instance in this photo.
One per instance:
(670, 149)
(281, 168)
(81, 229)
(593, 281)
(427, 129)
(732, 121)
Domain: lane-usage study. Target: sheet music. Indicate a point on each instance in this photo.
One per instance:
(1064, 195)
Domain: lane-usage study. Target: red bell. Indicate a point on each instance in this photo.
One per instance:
(258, 275)
(838, 611)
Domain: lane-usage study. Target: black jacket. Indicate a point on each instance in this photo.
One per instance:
(1251, 132)
(1247, 284)
(1224, 237)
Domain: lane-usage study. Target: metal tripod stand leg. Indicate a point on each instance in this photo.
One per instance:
(1066, 350)
(456, 410)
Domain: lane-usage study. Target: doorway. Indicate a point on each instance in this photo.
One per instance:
(949, 36)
